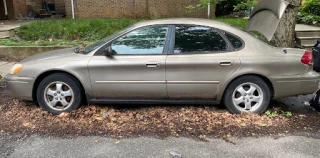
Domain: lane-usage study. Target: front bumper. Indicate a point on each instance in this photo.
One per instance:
(21, 86)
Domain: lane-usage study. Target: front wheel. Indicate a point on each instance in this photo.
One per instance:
(247, 94)
(58, 93)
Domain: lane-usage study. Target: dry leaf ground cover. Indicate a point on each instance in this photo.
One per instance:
(150, 120)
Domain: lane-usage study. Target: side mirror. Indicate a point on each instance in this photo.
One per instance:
(108, 51)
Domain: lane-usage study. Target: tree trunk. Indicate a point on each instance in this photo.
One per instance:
(284, 36)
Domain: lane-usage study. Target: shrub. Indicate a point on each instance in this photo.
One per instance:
(306, 18)
(311, 7)
(226, 7)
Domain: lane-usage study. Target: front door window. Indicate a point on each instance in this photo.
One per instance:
(146, 40)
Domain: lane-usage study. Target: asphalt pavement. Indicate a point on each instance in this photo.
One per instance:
(92, 146)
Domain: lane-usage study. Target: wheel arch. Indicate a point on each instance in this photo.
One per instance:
(46, 74)
(264, 78)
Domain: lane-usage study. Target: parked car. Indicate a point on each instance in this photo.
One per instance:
(167, 61)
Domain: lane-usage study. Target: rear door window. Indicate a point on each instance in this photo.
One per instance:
(235, 41)
(198, 39)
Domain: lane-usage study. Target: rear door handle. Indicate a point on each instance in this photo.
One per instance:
(226, 63)
(153, 64)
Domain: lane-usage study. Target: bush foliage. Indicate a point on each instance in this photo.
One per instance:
(306, 18)
(311, 7)
(309, 12)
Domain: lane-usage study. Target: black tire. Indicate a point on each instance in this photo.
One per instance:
(67, 79)
(228, 95)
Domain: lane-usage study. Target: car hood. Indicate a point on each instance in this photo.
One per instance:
(266, 16)
(50, 55)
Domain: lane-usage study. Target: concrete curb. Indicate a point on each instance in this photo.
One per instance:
(21, 52)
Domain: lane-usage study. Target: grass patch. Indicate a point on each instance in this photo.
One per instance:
(67, 29)
(239, 22)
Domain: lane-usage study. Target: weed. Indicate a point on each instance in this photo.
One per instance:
(271, 114)
(286, 113)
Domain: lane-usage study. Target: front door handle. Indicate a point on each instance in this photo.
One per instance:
(153, 64)
(226, 63)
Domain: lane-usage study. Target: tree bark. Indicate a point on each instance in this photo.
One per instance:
(284, 36)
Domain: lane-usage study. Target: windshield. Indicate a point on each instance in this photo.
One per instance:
(98, 44)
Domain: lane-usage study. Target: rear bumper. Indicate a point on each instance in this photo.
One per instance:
(286, 87)
(20, 86)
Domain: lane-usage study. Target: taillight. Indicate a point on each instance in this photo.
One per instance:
(307, 58)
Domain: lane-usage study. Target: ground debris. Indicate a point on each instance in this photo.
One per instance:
(163, 120)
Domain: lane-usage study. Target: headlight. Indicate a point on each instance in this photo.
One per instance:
(16, 68)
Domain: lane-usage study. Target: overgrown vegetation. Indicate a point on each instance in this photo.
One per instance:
(309, 12)
(85, 30)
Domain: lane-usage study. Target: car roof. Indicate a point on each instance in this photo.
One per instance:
(190, 21)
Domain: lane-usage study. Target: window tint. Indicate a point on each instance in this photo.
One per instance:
(146, 40)
(192, 39)
(235, 41)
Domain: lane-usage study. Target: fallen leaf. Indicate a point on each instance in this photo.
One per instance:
(117, 142)
(99, 118)
(263, 125)
(96, 141)
(63, 114)
(202, 136)
(26, 124)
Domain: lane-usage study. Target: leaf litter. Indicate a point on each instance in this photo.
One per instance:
(195, 121)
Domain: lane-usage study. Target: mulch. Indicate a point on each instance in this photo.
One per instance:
(195, 121)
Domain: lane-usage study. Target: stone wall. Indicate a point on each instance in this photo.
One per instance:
(86, 9)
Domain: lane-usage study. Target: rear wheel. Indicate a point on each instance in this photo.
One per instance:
(247, 94)
(59, 93)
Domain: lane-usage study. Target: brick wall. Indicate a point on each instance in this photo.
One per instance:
(20, 8)
(132, 8)
(60, 4)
